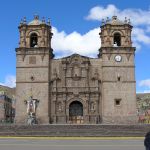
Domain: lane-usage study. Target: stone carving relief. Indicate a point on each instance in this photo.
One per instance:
(128, 56)
(32, 60)
(74, 65)
(109, 56)
(75, 59)
(55, 75)
(23, 54)
(59, 107)
(95, 75)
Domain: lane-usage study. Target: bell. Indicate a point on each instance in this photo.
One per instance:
(34, 42)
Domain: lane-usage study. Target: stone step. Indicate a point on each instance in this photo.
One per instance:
(74, 130)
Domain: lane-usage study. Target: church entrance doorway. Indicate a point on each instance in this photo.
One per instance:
(76, 112)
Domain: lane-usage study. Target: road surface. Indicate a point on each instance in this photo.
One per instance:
(71, 144)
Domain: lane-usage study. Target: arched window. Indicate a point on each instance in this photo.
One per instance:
(33, 40)
(117, 39)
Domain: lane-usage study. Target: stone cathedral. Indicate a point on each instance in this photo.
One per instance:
(76, 89)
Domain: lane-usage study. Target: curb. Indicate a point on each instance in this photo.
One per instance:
(72, 138)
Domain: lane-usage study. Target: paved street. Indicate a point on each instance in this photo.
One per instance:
(65, 144)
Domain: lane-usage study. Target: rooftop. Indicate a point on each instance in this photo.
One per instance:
(35, 21)
(115, 21)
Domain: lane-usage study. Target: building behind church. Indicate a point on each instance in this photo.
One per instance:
(7, 104)
(76, 89)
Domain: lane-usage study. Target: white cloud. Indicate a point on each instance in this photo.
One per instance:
(10, 81)
(86, 44)
(147, 91)
(143, 91)
(140, 19)
(99, 12)
(148, 29)
(145, 83)
(139, 35)
(138, 16)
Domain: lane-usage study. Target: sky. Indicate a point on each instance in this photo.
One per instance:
(75, 24)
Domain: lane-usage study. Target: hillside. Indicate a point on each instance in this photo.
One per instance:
(9, 91)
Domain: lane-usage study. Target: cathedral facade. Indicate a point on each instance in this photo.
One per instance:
(76, 89)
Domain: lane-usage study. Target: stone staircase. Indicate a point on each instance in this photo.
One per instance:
(75, 130)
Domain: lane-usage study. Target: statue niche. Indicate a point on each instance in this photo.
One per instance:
(76, 72)
(92, 107)
(60, 107)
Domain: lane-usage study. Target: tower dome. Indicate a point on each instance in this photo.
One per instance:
(36, 21)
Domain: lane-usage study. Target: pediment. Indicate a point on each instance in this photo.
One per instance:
(75, 58)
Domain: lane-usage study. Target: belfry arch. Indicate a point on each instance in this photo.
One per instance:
(33, 40)
(117, 39)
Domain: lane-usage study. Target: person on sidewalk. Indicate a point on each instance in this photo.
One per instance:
(147, 141)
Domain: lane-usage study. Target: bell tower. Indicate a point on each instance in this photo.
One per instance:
(118, 72)
(33, 66)
(115, 33)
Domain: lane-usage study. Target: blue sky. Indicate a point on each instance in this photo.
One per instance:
(77, 21)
